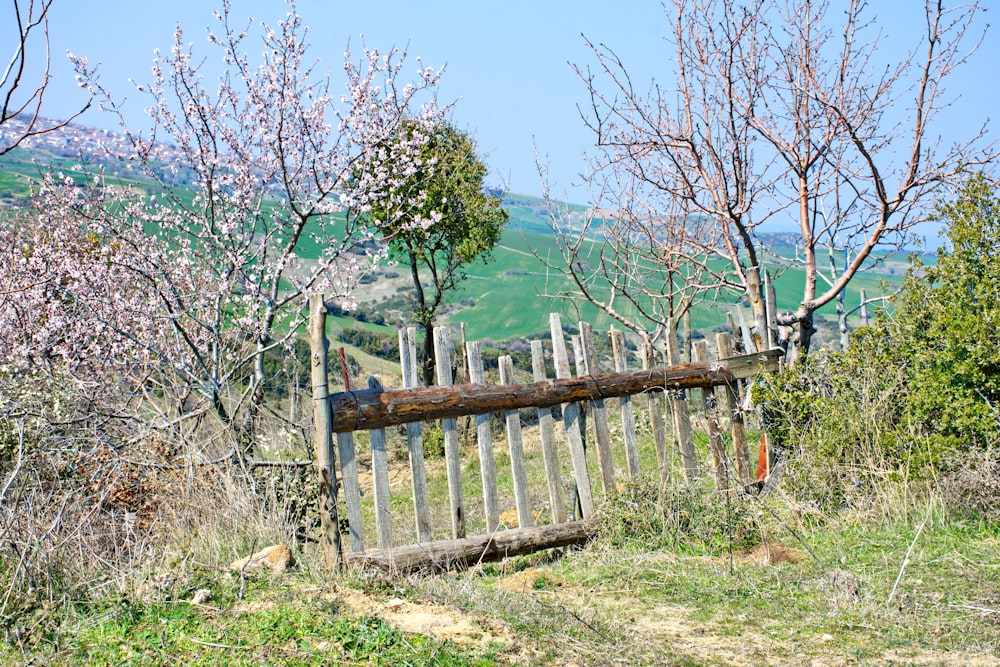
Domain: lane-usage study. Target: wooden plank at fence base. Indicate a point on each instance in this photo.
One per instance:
(380, 408)
(447, 554)
(323, 455)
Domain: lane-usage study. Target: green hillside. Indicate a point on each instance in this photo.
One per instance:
(512, 295)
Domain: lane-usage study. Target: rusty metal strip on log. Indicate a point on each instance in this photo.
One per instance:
(381, 408)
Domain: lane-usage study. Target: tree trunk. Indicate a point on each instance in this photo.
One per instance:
(428, 365)
(806, 329)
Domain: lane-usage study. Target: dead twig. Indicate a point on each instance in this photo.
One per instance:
(906, 561)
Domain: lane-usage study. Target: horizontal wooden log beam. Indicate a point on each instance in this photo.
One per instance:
(381, 408)
(449, 554)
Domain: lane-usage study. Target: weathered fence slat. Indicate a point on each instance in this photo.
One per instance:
(628, 416)
(599, 413)
(654, 402)
(719, 463)
(380, 481)
(323, 438)
(771, 309)
(577, 344)
(571, 420)
(724, 343)
(352, 490)
(546, 430)
(749, 344)
(415, 439)
(484, 436)
(682, 434)
(449, 428)
(515, 444)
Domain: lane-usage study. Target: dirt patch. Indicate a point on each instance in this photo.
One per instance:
(648, 632)
(531, 579)
(438, 621)
(772, 554)
(951, 658)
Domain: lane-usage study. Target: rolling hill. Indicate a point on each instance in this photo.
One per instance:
(508, 297)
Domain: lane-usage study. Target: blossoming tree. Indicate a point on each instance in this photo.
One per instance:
(247, 204)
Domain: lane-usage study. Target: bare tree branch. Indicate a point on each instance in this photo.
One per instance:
(22, 100)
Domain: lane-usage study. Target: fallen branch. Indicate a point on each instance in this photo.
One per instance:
(448, 554)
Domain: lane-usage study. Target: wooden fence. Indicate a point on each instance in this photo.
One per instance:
(338, 416)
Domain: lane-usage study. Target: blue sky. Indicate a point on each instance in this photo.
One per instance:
(506, 61)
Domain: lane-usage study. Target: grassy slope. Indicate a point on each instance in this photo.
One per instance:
(641, 594)
(514, 293)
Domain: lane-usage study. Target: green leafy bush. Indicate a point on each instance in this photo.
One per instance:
(918, 391)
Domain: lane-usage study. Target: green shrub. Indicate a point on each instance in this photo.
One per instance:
(918, 391)
(433, 439)
(947, 325)
(384, 346)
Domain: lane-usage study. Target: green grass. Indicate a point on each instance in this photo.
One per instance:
(645, 604)
(277, 625)
(670, 579)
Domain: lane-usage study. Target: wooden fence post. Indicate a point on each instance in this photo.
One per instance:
(547, 430)
(414, 437)
(655, 405)
(449, 428)
(599, 413)
(515, 445)
(571, 420)
(485, 437)
(749, 347)
(700, 354)
(323, 438)
(628, 417)
(724, 343)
